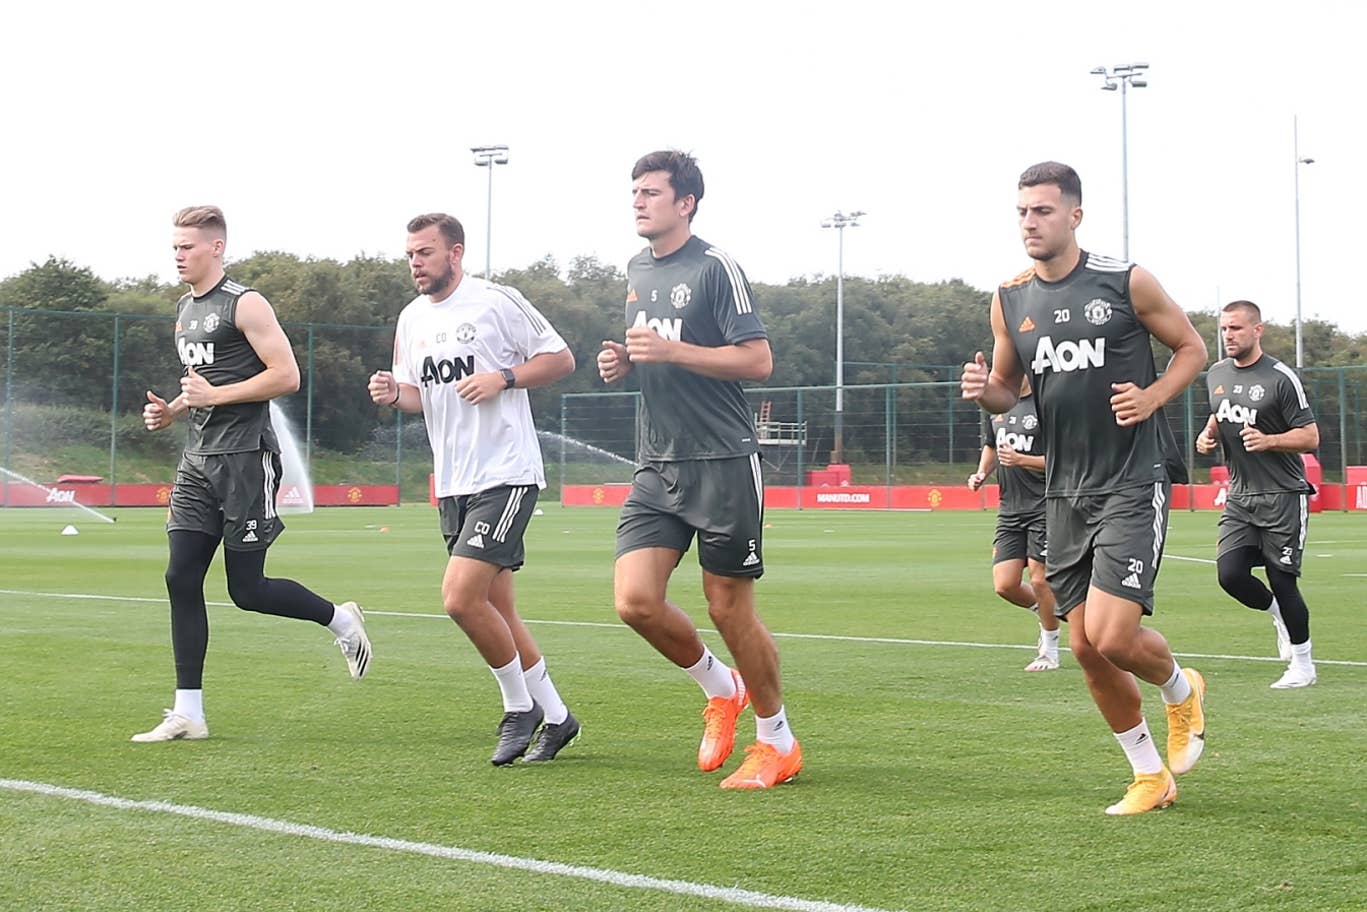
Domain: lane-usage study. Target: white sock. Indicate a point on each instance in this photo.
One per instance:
(542, 690)
(341, 622)
(516, 698)
(1276, 611)
(1049, 640)
(1300, 655)
(190, 704)
(1140, 749)
(1177, 688)
(774, 730)
(713, 675)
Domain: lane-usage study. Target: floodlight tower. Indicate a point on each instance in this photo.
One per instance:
(840, 221)
(1122, 77)
(487, 157)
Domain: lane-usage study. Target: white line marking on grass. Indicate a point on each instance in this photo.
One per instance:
(833, 637)
(733, 895)
(1206, 560)
(84, 595)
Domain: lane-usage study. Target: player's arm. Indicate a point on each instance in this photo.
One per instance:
(1296, 440)
(158, 414)
(385, 389)
(1168, 323)
(613, 363)
(1207, 440)
(256, 319)
(986, 463)
(748, 360)
(543, 369)
(1033, 463)
(996, 390)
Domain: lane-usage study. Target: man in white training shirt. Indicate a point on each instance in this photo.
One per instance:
(465, 352)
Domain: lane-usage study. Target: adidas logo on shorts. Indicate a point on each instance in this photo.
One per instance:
(750, 560)
(1131, 581)
(476, 541)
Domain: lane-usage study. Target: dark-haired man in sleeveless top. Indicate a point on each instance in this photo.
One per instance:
(1080, 325)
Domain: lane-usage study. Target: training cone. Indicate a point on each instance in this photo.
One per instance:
(71, 530)
(538, 512)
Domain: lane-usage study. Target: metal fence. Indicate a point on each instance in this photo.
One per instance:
(74, 384)
(915, 433)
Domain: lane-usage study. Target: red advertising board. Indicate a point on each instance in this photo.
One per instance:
(949, 497)
(353, 496)
(55, 495)
(158, 495)
(603, 495)
(842, 497)
(1356, 493)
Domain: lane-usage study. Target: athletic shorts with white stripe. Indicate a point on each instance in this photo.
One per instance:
(488, 525)
(229, 496)
(719, 500)
(1273, 523)
(1112, 542)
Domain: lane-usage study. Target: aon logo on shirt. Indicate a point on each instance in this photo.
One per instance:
(447, 370)
(666, 328)
(1235, 414)
(1021, 442)
(1068, 355)
(193, 354)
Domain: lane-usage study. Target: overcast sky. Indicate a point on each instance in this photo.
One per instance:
(321, 128)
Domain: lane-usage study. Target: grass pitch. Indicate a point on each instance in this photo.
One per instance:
(939, 775)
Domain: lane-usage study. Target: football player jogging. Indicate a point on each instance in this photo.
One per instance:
(237, 359)
(466, 351)
(1263, 422)
(1014, 442)
(1080, 325)
(692, 336)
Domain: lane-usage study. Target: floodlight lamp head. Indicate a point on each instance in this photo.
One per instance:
(1139, 83)
(1098, 71)
(1109, 86)
(488, 156)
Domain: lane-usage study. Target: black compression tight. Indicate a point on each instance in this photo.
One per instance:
(1236, 577)
(191, 553)
(250, 590)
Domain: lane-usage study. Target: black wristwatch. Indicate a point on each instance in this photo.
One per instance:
(509, 378)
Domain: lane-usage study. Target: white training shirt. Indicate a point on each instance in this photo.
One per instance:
(480, 327)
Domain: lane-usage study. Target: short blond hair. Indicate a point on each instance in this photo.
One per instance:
(206, 218)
